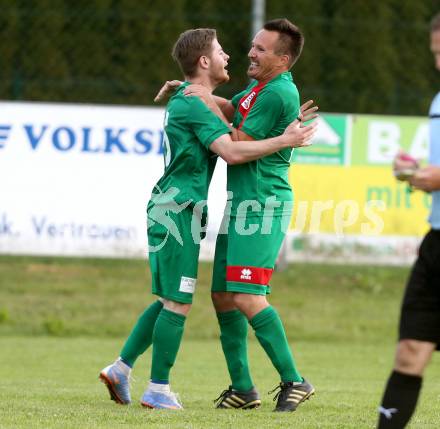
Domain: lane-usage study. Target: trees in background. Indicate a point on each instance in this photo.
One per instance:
(365, 57)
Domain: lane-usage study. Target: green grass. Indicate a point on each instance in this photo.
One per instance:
(52, 383)
(61, 322)
(71, 297)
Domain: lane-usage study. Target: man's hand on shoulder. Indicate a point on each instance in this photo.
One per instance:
(167, 89)
(196, 90)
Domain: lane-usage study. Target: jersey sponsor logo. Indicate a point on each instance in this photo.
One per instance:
(247, 102)
(255, 275)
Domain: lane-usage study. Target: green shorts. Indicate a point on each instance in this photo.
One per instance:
(244, 262)
(173, 265)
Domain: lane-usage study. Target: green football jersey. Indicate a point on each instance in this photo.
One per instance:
(189, 129)
(264, 111)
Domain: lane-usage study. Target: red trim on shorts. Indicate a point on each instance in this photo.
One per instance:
(246, 274)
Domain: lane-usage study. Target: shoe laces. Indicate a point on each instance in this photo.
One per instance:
(282, 392)
(223, 395)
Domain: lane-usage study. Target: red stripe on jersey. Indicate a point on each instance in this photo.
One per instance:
(248, 100)
(241, 274)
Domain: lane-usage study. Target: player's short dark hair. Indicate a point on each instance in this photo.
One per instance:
(190, 46)
(291, 39)
(435, 23)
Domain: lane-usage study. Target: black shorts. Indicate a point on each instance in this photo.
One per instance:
(420, 314)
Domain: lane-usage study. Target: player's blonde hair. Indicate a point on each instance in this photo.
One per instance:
(190, 46)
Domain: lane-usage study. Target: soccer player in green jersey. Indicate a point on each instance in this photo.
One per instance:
(193, 136)
(260, 212)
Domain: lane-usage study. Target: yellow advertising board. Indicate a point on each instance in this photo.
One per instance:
(348, 205)
(355, 200)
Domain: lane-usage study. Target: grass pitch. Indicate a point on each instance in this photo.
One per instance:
(62, 320)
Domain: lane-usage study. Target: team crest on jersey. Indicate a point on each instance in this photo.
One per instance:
(247, 102)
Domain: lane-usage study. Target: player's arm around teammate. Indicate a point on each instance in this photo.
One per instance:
(215, 103)
(246, 149)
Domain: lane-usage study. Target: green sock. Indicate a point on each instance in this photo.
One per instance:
(233, 336)
(270, 333)
(167, 336)
(141, 335)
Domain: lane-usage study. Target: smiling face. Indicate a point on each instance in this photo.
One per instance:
(265, 63)
(218, 72)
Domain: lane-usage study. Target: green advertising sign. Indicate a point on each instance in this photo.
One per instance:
(329, 144)
(365, 140)
(375, 140)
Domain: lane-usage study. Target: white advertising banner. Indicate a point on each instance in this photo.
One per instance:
(75, 179)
